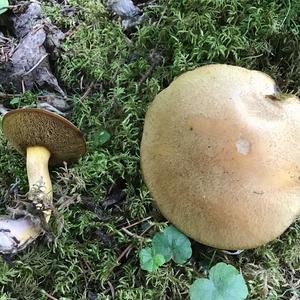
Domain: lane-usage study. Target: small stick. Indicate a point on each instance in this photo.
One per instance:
(49, 296)
(129, 248)
(8, 96)
(23, 86)
(147, 74)
(88, 90)
(71, 32)
(112, 290)
(36, 65)
(132, 234)
(136, 223)
(81, 82)
(238, 252)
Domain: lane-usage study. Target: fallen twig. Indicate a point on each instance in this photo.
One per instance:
(156, 60)
(238, 252)
(136, 223)
(49, 296)
(129, 248)
(36, 65)
(88, 90)
(132, 234)
(8, 96)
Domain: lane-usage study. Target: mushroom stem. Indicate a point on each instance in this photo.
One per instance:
(16, 234)
(38, 177)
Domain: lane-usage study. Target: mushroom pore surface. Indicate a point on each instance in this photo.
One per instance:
(36, 127)
(42, 137)
(221, 156)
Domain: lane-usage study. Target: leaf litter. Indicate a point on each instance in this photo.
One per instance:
(130, 14)
(28, 42)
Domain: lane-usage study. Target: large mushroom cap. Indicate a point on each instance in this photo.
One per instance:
(221, 156)
(36, 127)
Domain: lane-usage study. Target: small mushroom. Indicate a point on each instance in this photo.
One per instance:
(220, 154)
(43, 137)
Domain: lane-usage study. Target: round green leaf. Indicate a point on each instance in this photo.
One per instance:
(3, 6)
(171, 243)
(225, 282)
(102, 137)
(161, 245)
(150, 261)
(202, 289)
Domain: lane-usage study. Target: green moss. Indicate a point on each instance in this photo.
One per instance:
(82, 263)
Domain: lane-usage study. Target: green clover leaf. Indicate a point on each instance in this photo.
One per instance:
(3, 6)
(172, 244)
(225, 282)
(150, 261)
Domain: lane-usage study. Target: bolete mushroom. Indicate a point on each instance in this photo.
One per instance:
(42, 137)
(220, 154)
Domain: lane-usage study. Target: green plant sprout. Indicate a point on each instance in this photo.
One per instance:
(166, 245)
(3, 6)
(172, 244)
(224, 283)
(150, 261)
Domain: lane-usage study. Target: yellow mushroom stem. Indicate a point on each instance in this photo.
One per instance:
(16, 234)
(37, 159)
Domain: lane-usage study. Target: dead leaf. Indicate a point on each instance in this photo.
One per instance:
(25, 58)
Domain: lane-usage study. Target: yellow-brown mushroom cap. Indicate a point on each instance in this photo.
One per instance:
(221, 157)
(36, 127)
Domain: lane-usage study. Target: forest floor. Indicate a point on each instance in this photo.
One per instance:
(110, 68)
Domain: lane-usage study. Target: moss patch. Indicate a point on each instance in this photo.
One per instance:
(124, 71)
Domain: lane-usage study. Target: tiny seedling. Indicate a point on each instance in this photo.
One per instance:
(225, 282)
(102, 137)
(172, 244)
(166, 245)
(15, 101)
(3, 6)
(150, 261)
